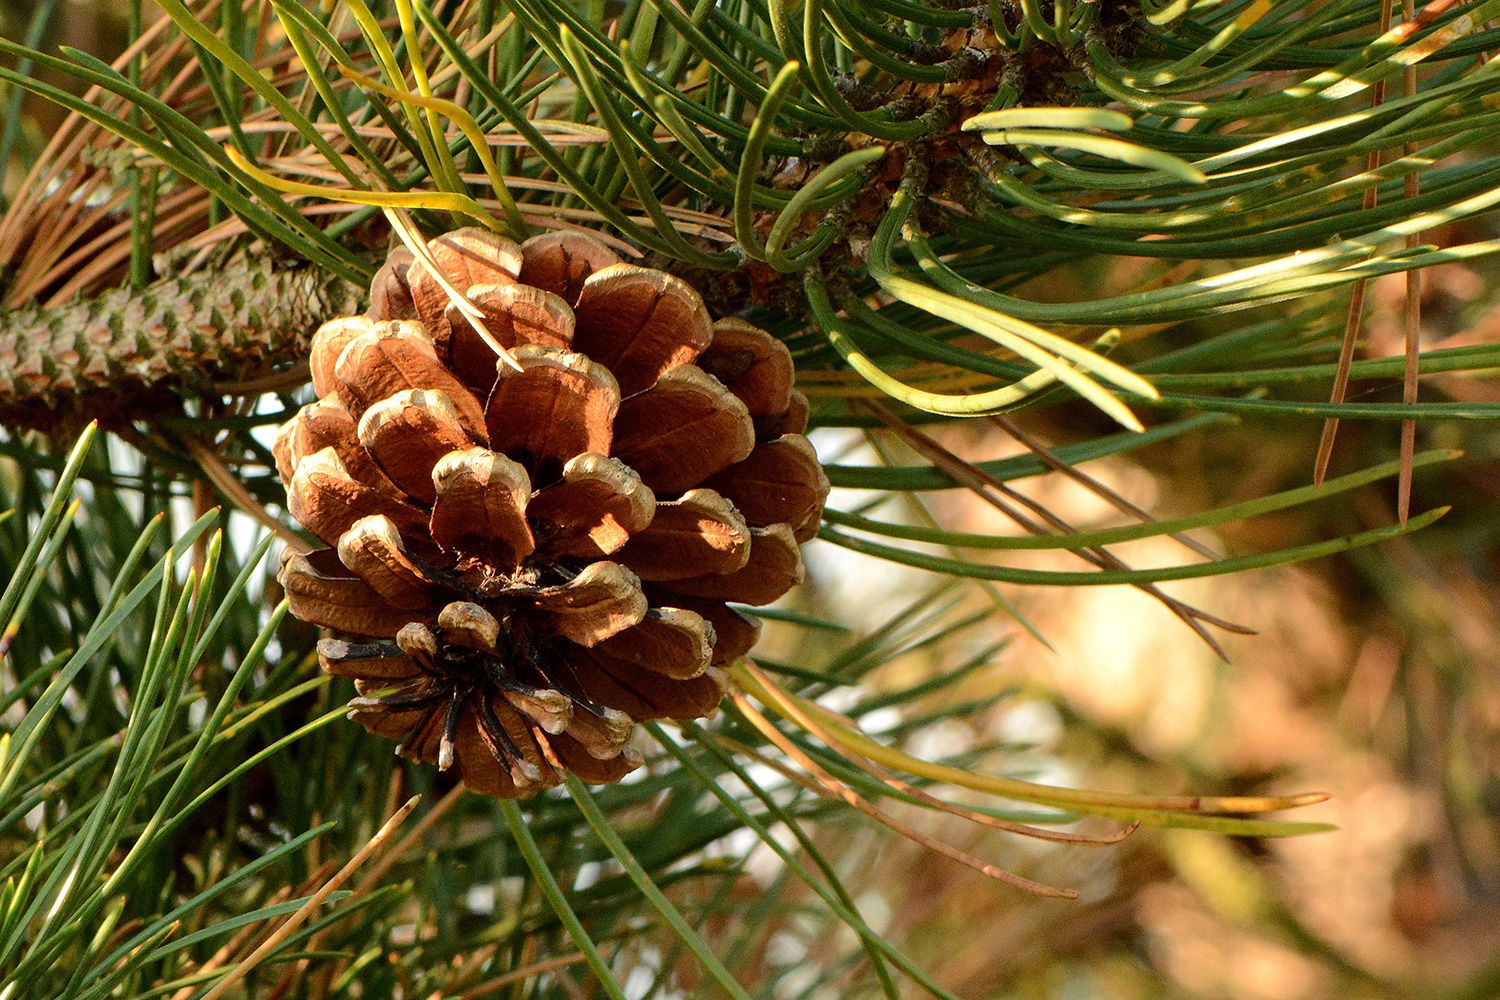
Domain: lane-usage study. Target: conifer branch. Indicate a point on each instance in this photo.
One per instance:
(107, 356)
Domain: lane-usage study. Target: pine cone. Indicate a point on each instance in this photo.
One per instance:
(525, 561)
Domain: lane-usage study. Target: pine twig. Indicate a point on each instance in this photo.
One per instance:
(108, 356)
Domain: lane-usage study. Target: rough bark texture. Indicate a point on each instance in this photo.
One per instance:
(113, 356)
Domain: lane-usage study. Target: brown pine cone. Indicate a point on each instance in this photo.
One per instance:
(540, 556)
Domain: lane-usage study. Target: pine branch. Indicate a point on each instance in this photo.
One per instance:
(107, 357)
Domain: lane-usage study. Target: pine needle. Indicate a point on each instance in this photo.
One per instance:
(314, 902)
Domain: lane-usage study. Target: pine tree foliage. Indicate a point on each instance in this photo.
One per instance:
(881, 183)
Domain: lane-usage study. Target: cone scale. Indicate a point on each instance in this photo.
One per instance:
(524, 559)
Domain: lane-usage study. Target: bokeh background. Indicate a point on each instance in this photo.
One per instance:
(1373, 676)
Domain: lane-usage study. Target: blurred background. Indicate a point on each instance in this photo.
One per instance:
(1373, 676)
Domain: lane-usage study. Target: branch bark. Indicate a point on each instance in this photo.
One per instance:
(111, 356)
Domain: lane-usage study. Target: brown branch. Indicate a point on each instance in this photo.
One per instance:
(114, 355)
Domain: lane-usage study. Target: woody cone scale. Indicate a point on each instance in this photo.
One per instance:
(525, 559)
